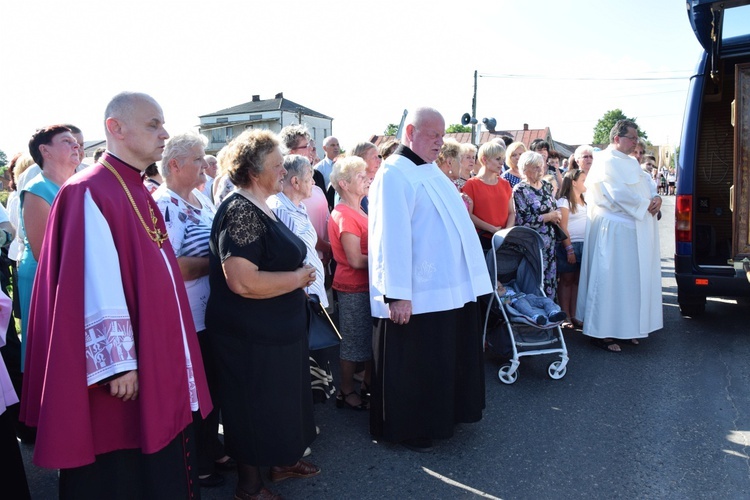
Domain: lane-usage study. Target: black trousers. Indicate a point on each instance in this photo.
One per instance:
(169, 473)
(12, 473)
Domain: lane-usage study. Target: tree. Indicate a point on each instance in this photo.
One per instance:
(457, 128)
(391, 129)
(3, 158)
(605, 124)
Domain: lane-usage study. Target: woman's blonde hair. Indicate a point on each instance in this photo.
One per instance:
(451, 149)
(489, 150)
(512, 148)
(346, 168)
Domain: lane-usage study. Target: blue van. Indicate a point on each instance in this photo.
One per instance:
(712, 208)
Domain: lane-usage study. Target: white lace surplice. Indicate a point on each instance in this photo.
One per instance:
(110, 345)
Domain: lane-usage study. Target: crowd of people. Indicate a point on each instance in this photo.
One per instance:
(162, 290)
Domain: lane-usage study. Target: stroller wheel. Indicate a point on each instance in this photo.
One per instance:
(505, 376)
(554, 371)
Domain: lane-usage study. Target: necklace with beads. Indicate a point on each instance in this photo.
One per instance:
(156, 234)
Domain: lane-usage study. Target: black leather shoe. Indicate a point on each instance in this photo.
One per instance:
(212, 480)
(230, 464)
(420, 445)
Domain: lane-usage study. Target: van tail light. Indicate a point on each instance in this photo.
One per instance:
(683, 220)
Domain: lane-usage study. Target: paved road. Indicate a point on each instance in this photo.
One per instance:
(667, 419)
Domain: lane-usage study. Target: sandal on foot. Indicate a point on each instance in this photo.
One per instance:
(342, 401)
(606, 344)
(364, 393)
(301, 470)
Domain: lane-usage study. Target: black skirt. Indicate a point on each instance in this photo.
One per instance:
(429, 375)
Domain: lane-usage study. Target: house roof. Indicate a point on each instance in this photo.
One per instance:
(279, 103)
(91, 145)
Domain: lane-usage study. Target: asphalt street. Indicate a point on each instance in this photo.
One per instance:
(667, 419)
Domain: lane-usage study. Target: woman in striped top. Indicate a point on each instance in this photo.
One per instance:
(188, 215)
(288, 207)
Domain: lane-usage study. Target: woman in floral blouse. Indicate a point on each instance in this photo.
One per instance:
(536, 208)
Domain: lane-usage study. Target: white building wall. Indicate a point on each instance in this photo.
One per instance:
(319, 128)
(234, 125)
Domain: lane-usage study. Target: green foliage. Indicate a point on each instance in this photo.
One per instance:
(457, 128)
(4, 197)
(3, 158)
(391, 129)
(605, 124)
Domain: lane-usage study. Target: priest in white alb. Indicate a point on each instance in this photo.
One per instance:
(619, 293)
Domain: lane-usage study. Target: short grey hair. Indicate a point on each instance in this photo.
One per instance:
(361, 148)
(585, 148)
(295, 166)
(530, 158)
(289, 136)
(179, 146)
(123, 103)
(328, 140)
(415, 118)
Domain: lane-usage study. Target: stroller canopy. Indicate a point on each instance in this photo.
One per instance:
(516, 253)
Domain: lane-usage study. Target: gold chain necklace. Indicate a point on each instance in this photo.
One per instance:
(155, 234)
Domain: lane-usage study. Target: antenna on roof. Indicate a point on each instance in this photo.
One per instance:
(401, 125)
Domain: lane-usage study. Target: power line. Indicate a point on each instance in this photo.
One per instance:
(653, 93)
(572, 78)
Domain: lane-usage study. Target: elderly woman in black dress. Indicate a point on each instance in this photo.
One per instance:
(258, 318)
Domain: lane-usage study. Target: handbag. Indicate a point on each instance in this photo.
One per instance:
(560, 234)
(321, 332)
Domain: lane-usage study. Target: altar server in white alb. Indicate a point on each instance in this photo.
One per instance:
(426, 271)
(619, 295)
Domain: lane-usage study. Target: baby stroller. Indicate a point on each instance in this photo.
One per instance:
(516, 254)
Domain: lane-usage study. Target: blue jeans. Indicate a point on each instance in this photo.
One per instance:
(532, 305)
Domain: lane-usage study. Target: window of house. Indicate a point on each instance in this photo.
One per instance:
(223, 134)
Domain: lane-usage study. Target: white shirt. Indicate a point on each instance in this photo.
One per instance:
(576, 221)
(325, 167)
(189, 230)
(422, 244)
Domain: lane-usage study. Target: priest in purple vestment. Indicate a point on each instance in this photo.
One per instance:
(114, 370)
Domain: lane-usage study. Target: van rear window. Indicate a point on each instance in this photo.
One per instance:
(736, 22)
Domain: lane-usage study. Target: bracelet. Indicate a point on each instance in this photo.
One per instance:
(569, 248)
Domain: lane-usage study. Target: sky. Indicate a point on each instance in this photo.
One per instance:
(361, 63)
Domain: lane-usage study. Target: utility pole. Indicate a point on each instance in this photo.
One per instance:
(474, 111)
